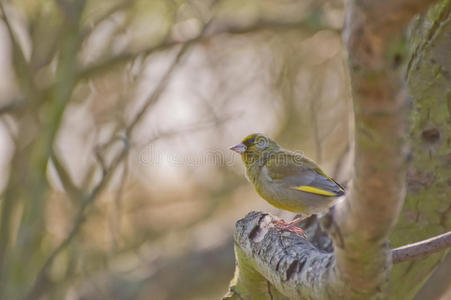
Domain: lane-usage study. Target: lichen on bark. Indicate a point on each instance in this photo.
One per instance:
(427, 208)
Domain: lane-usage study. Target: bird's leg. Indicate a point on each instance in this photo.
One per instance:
(291, 226)
(295, 221)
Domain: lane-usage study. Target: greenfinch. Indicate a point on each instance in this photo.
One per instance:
(286, 179)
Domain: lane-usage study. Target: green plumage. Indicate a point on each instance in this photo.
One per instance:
(286, 179)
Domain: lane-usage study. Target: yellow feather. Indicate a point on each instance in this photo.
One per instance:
(313, 190)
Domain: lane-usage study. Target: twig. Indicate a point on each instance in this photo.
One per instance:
(109, 12)
(21, 66)
(190, 128)
(68, 184)
(158, 90)
(152, 99)
(115, 217)
(11, 106)
(79, 219)
(421, 249)
(35, 290)
(169, 43)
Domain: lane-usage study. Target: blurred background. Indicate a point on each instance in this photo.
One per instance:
(115, 121)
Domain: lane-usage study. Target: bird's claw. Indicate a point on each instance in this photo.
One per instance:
(290, 226)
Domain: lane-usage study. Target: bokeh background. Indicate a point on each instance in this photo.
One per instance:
(115, 121)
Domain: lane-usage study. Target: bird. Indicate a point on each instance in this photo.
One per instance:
(287, 180)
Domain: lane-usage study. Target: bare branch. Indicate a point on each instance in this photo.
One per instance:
(11, 106)
(36, 290)
(79, 219)
(187, 129)
(71, 189)
(421, 249)
(152, 99)
(208, 32)
(21, 66)
(108, 13)
(114, 219)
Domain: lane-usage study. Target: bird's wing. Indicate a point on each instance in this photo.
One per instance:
(299, 173)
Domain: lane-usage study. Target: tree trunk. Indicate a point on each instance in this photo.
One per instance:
(428, 204)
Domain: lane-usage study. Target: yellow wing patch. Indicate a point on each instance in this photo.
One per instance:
(313, 190)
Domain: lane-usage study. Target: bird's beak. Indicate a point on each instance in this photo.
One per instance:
(239, 148)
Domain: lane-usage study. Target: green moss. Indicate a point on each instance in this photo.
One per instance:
(428, 198)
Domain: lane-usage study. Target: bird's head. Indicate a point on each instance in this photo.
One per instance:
(255, 147)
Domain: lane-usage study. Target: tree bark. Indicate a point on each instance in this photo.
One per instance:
(264, 252)
(427, 208)
(272, 265)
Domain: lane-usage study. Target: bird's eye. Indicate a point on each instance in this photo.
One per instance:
(261, 142)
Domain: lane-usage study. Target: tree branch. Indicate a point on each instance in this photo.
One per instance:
(74, 193)
(107, 14)
(11, 106)
(290, 263)
(36, 290)
(20, 64)
(208, 32)
(293, 265)
(421, 249)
